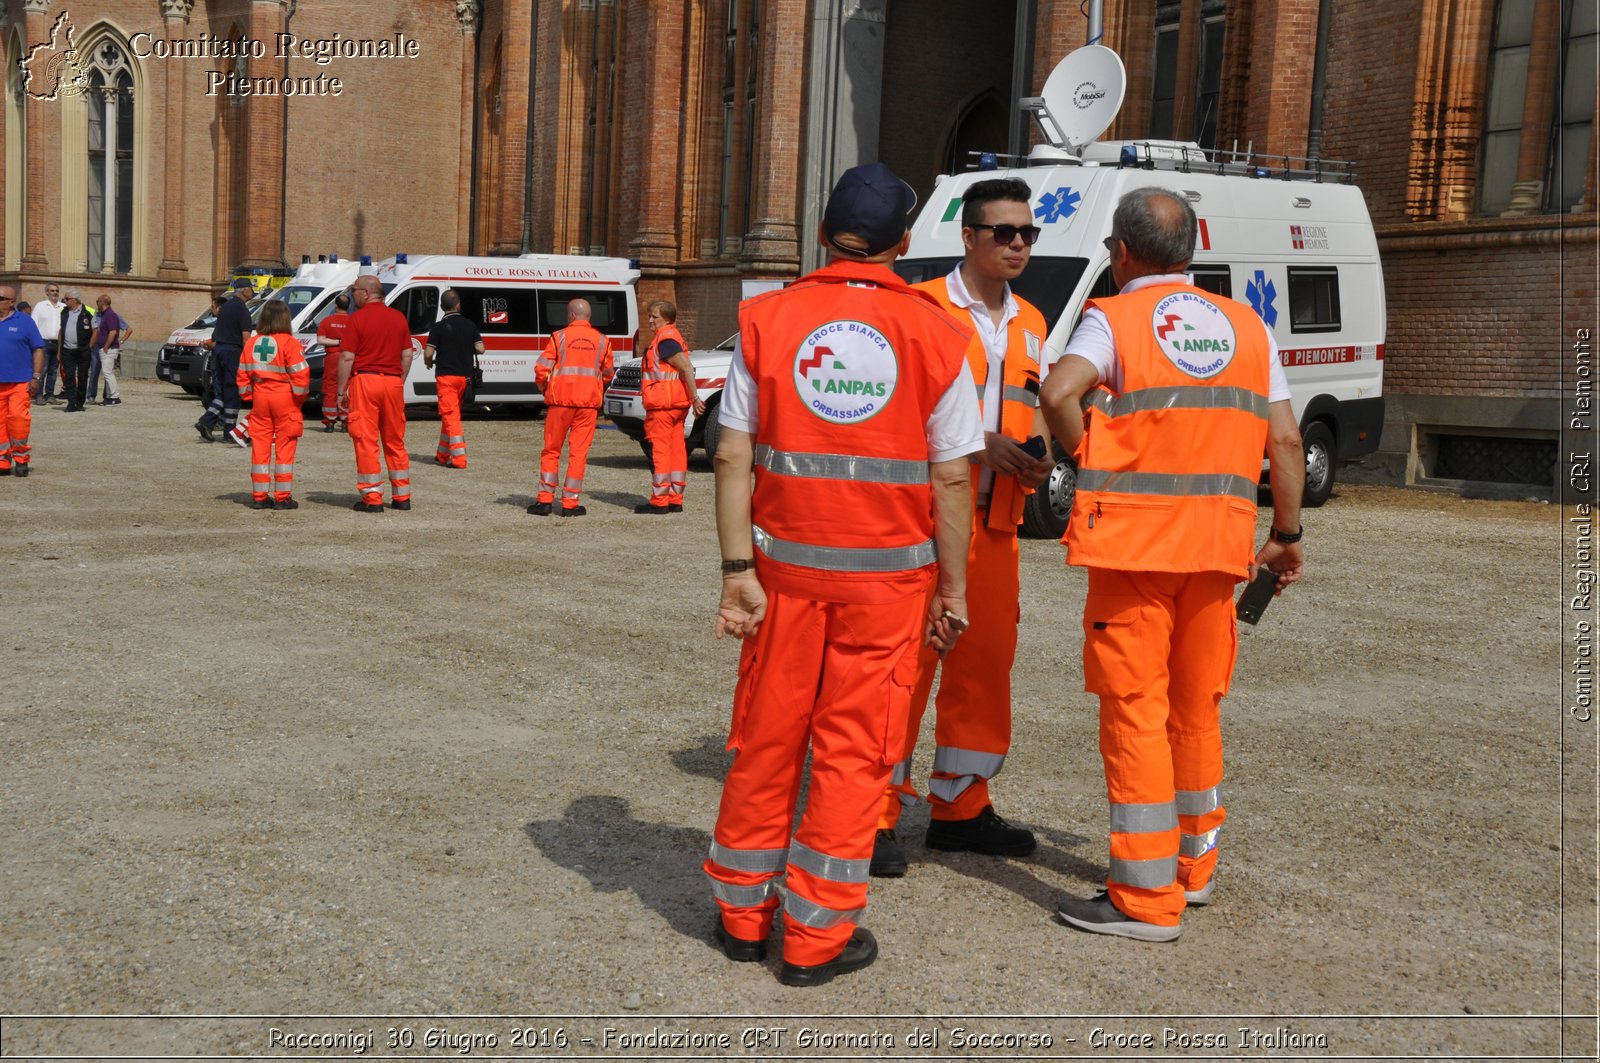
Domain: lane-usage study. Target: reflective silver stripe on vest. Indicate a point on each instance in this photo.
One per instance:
(841, 467)
(1195, 846)
(1167, 483)
(753, 861)
(1144, 819)
(576, 370)
(1198, 802)
(1022, 395)
(660, 376)
(814, 915)
(1181, 397)
(846, 558)
(1145, 874)
(741, 896)
(832, 868)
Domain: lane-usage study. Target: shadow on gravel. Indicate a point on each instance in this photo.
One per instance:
(599, 838)
(1054, 853)
(708, 758)
(242, 498)
(336, 499)
(621, 499)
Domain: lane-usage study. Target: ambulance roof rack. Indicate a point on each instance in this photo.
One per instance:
(1184, 157)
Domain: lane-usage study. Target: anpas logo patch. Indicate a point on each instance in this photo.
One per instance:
(1194, 334)
(845, 372)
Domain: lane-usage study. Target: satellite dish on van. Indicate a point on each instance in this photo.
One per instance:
(1081, 97)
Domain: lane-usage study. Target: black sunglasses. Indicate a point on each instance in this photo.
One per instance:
(1004, 234)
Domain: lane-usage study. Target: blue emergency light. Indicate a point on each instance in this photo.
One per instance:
(401, 258)
(988, 161)
(366, 260)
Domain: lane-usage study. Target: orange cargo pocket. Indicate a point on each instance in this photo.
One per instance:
(1111, 636)
(901, 685)
(743, 692)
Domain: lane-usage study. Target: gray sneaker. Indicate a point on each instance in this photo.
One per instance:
(1099, 916)
(1201, 897)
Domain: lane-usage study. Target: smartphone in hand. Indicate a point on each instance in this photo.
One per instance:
(1257, 596)
(1034, 447)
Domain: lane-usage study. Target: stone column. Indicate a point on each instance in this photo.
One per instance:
(656, 245)
(40, 144)
(772, 246)
(264, 145)
(1538, 104)
(174, 164)
(467, 13)
(108, 249)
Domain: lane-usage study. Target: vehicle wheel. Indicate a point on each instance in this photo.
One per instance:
(194, 389)
(1320, 463)
(713, 419)
(1046, 512)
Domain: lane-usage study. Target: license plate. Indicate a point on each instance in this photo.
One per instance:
(613, 407)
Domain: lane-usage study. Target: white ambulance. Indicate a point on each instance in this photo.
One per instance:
(624, 404)
(516, 303)
(1290, 237)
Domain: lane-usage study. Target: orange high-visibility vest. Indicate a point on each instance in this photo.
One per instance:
(1169, 466)
(1019, 390)
(849, 363)
(273, 362)
(660, 386)
(575, 366)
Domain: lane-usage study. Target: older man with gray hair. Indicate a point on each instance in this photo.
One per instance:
(73, 346)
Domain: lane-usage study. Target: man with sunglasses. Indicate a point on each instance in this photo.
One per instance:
(973, 709)
(21, 371)
(1183, 392)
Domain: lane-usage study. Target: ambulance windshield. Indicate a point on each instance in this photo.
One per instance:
(1047, 283)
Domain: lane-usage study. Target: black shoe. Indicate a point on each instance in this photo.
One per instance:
(1098, 915)
(199, 426)
(739, 950)
(675, 507)
(23, 469)
(261, 503)
(287, 503)
(79, 409)
(7, 471)
(859, 952)
(368, 507)
(645, 507)
(888, 859)
(329, 428)
(575, 511)
(984, 833)
(401, 503)
(541, 509)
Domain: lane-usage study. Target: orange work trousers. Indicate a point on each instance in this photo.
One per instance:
(452, 441)
(16, 406)
(1159, 649)
(573, 425)
(835, 677)
(378, 412)
(275, 423)
(669, 455)
(972, 712)
(332, 412)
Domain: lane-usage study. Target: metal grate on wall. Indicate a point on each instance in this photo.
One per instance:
(1495, 459)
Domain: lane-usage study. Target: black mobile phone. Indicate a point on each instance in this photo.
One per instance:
(1256, 597)
(1034, 447)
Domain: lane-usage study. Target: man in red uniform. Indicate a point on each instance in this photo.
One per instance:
(1184, 391)
(973, 733)
(853, 400)
(667, 389)
(374, 358)
(573, 373)
(330, 333)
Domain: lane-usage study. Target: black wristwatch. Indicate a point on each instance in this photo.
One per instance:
(743, 564)
(1288, 538)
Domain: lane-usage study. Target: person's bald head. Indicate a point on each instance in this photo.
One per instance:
(579, 310)
(369, 284)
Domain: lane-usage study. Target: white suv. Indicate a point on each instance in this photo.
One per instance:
(625, 408)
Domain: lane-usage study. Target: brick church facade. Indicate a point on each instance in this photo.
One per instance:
(700, 137)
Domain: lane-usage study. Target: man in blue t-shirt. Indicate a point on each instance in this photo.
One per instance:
(21, 373)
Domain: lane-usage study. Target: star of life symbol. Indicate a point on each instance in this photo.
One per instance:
(1194, 334)
(1058, 205)
(52, 70)
(845, 372)
(1263, 296)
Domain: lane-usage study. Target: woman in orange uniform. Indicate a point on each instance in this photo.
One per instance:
(274, 376)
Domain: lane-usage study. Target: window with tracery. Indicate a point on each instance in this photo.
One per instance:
(110, 206)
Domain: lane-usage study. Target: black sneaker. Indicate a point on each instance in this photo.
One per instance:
(574, 511)
(647, 508)
(675, 507)
(858, 952)
(984, 833)
(368, 507)
(401, 503)
(7, 471)
(23, 468)
(739, 950)
(1099, 916)
(888, 859)
(541, 509)
(287, 503)
(261, 503)
(199, 426)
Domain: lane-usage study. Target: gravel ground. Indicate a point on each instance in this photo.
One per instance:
(410, 771)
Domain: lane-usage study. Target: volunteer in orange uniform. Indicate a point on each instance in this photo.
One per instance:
(374, 359)
(666, 387)
(573, 373)
(274, 378)
(330, 333)
(1184, 392)
(853, 400)
(21, 375)
(973, 733)
(454, 344)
